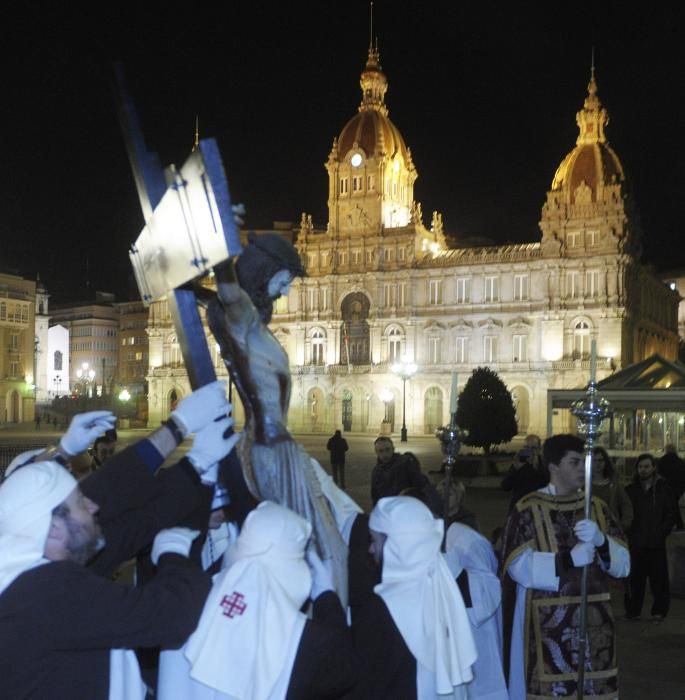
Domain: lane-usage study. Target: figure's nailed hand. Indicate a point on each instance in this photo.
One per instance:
(588, 531)
(202, 407)
(84, 428)
(238, 214)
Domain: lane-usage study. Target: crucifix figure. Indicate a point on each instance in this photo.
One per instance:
(275, 466)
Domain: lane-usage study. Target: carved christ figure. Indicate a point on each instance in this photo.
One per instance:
(275, 466)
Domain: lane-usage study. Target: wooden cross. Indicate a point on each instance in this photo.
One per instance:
(189, 228)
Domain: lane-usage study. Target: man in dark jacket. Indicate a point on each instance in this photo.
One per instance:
(525, 474)
(396, 472)
(337, 446)
(672, 468)
(654, 508)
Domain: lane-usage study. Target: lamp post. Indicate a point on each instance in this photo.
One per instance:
(406, 370)
(86, 376)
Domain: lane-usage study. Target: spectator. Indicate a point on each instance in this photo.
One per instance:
(672, 468)
(337, 446)
(654, 516)
(606, 486)
(526, 473)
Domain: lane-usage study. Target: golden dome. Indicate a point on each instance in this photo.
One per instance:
(370, 130)
(592, 163)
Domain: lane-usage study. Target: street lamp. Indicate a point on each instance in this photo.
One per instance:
(406, 370)
(86, 376)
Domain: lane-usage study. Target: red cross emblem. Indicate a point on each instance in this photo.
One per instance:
(234, 604)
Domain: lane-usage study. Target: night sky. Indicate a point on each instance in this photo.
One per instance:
(484, 96)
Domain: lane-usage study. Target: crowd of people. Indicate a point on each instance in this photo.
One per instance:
(235, 603)
(257, 577)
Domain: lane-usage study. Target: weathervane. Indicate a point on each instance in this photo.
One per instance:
(590, 412)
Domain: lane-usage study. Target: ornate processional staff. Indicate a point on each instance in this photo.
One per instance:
(590, 413)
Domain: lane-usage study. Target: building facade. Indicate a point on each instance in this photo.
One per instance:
(93, 343)
(17, 348)
(382, 287)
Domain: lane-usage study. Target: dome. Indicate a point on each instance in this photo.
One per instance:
(370, 130)
(374, 134)
(592, 163)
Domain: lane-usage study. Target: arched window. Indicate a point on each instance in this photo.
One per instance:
(354, 335)
(57, 360)
(395, 340)
(581, 340)
(318, 347)
(432, 410)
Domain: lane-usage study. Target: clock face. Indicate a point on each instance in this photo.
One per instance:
(356, 160)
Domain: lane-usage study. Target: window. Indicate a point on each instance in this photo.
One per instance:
(14, 341)
(520, 348)
(592, 239)
(434, 349)
(389, 291)
(343, 185)
(342, 258)
(57, 360)
(370, 182)
(357, 183)
(324, 298)
(581, 340)
(462, 347)
(463, 290)
(368, 256)
(3, 311)
(402, 294)
(318, 340)
(14, 369)
(311, 259)
(394, 345)
(435, 291)
(491, 289)
(573, 239)
(312, 299)
(356, 257)
(387, 255)
(520, 287)
(401, 254)
(592, 283)
(572, 289)
(489, 348)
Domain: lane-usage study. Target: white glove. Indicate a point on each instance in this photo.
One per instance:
(84, 428)
(322, 579)
(588, 531)
(582, 554)
(210, 446)
(201, 407)
(175, 539)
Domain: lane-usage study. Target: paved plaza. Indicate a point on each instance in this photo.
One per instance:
(651, 656)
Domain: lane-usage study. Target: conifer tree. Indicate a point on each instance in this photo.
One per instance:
(485, 410)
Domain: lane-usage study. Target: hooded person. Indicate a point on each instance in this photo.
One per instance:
(67, 631)
(411, 632)
(252, 641)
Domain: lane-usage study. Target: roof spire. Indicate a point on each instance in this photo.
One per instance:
(371, 28)
(593, 117)
(373, 82)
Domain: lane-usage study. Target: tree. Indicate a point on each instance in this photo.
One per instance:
(485, 410)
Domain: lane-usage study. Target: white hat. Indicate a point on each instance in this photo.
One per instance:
(27, 498)
(22, 459)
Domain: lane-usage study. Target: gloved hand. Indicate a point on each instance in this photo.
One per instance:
(210, 446)
(588, 531)
(322, 578)
(582, 554)
(175, 539)
(84, 428)
(201, 407)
